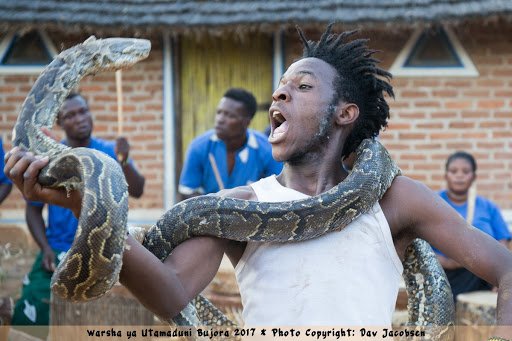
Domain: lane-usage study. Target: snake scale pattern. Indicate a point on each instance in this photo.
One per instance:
(92, 265)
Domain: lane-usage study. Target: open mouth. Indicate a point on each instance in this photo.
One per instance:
(279, 124)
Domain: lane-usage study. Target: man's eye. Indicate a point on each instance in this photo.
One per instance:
(304, 86)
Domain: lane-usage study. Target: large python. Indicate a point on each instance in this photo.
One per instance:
(92, 264)
(82, 274)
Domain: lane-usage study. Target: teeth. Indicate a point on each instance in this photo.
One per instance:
(278, 117)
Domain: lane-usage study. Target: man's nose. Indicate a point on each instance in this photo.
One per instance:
(79, 118)
(281, 94)
(220, 118)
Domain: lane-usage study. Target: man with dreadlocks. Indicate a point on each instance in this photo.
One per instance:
(325, 105)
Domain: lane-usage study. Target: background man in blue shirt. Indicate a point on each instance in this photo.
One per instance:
(55, 239)
(230, 155)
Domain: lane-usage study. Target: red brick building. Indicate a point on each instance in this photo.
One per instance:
(452, 62)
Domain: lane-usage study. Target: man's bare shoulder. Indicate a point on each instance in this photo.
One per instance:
(242, 192)
(404, 187)
(406, 201)
(413, 208)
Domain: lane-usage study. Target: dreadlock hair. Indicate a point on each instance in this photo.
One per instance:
(244, 96)
(359, 80)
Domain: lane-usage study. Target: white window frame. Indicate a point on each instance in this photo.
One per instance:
(467, 69)
(24, 69)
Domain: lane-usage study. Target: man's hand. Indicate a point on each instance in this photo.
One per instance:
(122, 150)
(134, 179)
(23, 167)
(48, 261)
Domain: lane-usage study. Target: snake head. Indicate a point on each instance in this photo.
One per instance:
(116, 53)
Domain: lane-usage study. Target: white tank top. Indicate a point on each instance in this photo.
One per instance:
(350, 277)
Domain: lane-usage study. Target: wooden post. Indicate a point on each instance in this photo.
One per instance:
(119, 90)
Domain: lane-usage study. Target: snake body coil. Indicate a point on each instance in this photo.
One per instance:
(92, 265)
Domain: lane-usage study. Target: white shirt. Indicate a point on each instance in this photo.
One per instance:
(349, 277)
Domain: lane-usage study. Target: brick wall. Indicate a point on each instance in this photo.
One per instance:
(430, 117)
(142, 116)
(433, 117)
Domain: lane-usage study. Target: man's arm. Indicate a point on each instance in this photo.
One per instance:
(5, 189)
(134, 179)
(169, 286)
(164, 288)
(35, 222)
(447, 263)
(415, 211)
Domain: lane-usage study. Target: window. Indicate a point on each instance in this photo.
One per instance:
(433, 52)
(25, 54)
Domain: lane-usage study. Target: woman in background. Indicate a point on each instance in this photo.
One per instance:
(478, 211)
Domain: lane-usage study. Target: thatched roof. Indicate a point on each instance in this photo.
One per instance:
(179, 15)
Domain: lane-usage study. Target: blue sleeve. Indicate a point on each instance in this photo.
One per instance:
(499, 226)
(3, 178)
(273, 167)
(35, 203)
(192, 172)
(107, 147)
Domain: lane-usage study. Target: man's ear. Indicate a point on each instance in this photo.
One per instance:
(347, 114)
